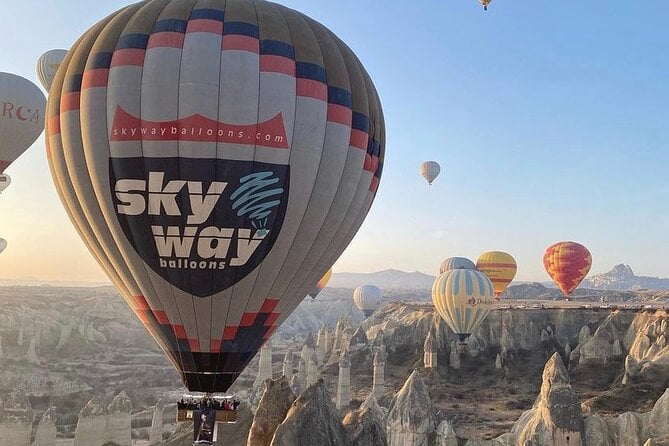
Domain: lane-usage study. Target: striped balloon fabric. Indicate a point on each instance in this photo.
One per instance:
(216, 157)
(47, 66)
(500, 267)
(463, 298)
(456, 263)
(567, 263)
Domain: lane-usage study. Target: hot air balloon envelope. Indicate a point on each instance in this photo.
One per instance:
(321, 284)
(3, 244)
(567, 263)
(47, 66)
(5, 181)
(21, 117)
(463, 298)
(216, 160)
(367, 298)
(500, 268)
(430, 171)
(456, 263)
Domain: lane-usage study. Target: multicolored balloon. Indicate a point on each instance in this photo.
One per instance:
(321, 284)
(47, 66)
(452, 263)
(22, 106)
(368, 298)
(430, 171)
(216, 157)
(500, 267)
(463, 298)
(567, 263)
(3, 244)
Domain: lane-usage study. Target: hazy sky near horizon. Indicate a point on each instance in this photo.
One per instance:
(549, 120)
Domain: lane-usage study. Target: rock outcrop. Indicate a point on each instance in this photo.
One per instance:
(264, 364)
(364, 427)
(272, 410)
(92, 424)
(119, 421)
(16, 418)
(156, 432)
(410, 418)
(46, 429)
(379, 373)
(430, 352)
(312, 420)
(344, 382)
(556, 418)
(446, 435)
(288, 365)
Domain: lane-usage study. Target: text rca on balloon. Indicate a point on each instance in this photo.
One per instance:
(20, 113)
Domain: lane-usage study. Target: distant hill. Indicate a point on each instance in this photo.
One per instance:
(390, 279)
(622, 278)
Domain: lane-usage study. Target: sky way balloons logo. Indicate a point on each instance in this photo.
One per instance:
(202, 224)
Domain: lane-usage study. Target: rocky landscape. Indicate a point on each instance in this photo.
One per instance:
(76, 368)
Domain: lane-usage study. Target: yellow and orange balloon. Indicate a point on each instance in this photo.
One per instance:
(321, 284)
(567, 263)
(500, 267)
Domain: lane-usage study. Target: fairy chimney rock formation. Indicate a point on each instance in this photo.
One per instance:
(119, 421)
(344, 381)
(272, 410)
(265, 364)
(312, 369)
(92, 424)
(156, 432)
(430, 351)
(312, 420)
(410, 419)
(556, 417)
(378, 381)
(288, 365)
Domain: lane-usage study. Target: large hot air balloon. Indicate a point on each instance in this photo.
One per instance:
(21, 117)
(5, 181)
(456, 263)
(47, 66)
(500, 267)
(430, 171)
(567, 263)
(216, 158)
(463, 298)
(367, 298)
(3, 244)
(315, 291)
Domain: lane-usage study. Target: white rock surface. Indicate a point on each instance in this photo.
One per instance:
(410, 419)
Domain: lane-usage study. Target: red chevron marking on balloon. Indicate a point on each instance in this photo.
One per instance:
(198, 128)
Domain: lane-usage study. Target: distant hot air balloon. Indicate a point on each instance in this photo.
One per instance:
(5, 181)
(430, 171)
(367, 298)
(321, 284)
(567, 263)
(216, 157)
(3, 244)
(485, 4)
(456, 263)
(463, 298)
(47, 66)
(21, 117)
(500, 268)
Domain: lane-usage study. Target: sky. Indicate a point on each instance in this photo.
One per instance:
(549, 120)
